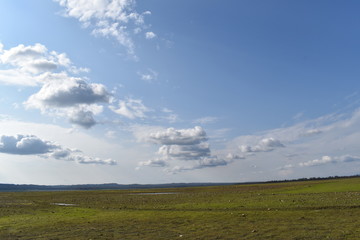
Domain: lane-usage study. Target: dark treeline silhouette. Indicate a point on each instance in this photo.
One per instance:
(312, 179)
(115, 186)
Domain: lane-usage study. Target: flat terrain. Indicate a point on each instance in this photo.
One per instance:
(326, 209)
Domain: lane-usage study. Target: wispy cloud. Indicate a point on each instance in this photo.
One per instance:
(131, 108)
(328, 159)
(206, 120)
(148, 76)
(113, 18)
(334, 137)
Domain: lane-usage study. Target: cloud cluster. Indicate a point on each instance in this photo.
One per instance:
(327, 159)
(179, 145)
(172, 136)
(264, 145)
(71, 97)
(28, 65)
(61, 93)
(109, 18)
(32, 145)
(289, 150)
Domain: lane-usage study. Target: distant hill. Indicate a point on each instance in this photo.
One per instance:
(106, 186)
(115, 186)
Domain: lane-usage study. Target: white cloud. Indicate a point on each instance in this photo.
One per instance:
(81, 117)
(206, 162)
(166, 110)
(181, 147)
(312, 132)
(205, 120)
(157, 162)
(333, 137)
(24, 64)
(25, 145)
(185, 152)
(149, 76)
(131, 108)
(150, 35)
(32, 145)
(231, 156)
(171, 136)
(108, 18)
(70, 97)
(212, 161)
(317, 162)
(264, 145)
(16, 77)
(68, 92)
(61, 94)
(327, 159)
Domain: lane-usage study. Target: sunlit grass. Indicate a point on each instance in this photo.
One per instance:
(327, 209)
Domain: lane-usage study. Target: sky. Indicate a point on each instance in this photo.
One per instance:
(149, 91)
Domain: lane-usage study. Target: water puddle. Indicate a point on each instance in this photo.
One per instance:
(64, 204)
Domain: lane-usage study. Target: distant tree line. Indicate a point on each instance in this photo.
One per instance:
(115, 186)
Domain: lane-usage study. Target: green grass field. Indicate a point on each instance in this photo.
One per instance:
(326, 209)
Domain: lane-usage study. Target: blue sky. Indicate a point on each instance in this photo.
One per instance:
(178, 91)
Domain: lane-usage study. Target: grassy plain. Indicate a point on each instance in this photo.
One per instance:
(326, 209)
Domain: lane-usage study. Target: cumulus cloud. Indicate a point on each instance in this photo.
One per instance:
(264, 145)
(25, 64)
(188, 149)
(131, 108)
(172, 136)
(32, 145)
(150, 35)
(81, 117)
(207, 162)
(25, 145)
(327, 159)
(185, 152)
(108, 18)
(60, 94)
(68, 92)
(73, 98)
